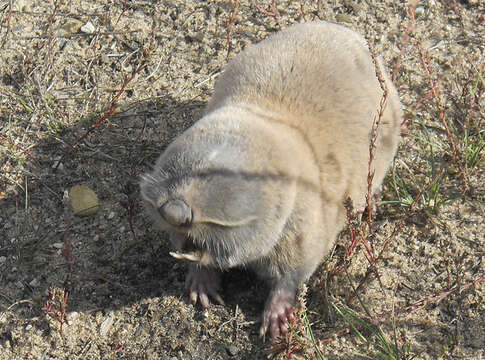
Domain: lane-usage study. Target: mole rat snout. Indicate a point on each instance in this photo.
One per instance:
(176, 212)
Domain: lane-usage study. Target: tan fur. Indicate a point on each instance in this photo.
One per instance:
(284, 141)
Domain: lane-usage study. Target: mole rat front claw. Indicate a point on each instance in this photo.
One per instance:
(278, 313)
(201, 283)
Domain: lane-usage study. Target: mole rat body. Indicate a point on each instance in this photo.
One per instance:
(261, 179)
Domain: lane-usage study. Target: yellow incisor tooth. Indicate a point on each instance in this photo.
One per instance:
(191, 256)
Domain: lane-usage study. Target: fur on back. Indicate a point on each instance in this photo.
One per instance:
(319, 79)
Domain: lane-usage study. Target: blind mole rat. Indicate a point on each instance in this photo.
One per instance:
(260, 180)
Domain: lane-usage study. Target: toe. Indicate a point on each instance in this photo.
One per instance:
(274, 329)
(283, 328)
(278, 314)
(218, 299)
(202, 284)
(265, 324)
(290, 314)
(193, 297)
(204, 299)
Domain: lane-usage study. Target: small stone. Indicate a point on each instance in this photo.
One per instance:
(419, 11)
(58, 165)
(139, 331)
(105, 326)
(58, 245)
(34, 283)
(343, 18)
(232, 350)
(28, 327)
(84, 201)
(73, 315)
(88, 28)
(3, 259)
(111, 215)
(21, 5)
(62, 43)
(70, 27)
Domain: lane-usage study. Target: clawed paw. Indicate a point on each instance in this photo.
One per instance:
(278, 312)
(203, 283)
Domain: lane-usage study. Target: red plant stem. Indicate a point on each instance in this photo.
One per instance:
(154, 28)
(423, 302)
(471, 102)
(108, 113)
(373, 269)
(273, 12)
(229, 22)
(125, 7)
(410, 14)
(435, 91)
(67, 218)
(4, 138)
(372, 146)
(9, 19)
(57, 308)
(54, 12)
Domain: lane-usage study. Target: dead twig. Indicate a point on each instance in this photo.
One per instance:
(272, 12)
(229, 23)
(9, 19)
(387, 315)
(374, 134)
(130, 191)
(423, 302)
(66, 200)
(125, 7)
(110, 111)
(54, 12)
(70, 36)
(409, 11)
(2, 315)
(28, 154)
(435, 90)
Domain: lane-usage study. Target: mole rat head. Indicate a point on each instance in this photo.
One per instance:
(201, 194)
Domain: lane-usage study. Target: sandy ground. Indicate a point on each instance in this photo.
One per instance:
(61, 65)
